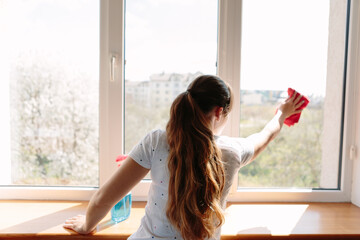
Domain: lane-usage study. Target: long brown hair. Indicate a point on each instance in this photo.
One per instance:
(196, 170)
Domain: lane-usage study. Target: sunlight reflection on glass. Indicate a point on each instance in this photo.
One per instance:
(276, 219)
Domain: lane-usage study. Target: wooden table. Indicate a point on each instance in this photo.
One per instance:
(44, 219)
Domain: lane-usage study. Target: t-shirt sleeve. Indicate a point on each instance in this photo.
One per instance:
(142, 152)
(246, 148)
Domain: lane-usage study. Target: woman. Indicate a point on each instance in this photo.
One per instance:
(192, 167)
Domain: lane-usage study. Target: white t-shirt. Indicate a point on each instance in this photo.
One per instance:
(152, 153)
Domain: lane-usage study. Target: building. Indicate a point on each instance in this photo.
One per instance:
(159, 91)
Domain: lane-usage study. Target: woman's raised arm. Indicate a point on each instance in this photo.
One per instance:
(272, 128)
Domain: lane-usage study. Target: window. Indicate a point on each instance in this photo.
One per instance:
(300, 53)
(309, 55)
(53, 47)
(163, 61)
(126, 92)
(50, 93)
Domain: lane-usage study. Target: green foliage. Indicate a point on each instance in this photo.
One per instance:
(140, 120)
(293, 159)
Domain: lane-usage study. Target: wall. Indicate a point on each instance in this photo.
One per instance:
(333, 101)
(355, 72)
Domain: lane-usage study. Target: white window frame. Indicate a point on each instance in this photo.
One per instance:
(228, 62)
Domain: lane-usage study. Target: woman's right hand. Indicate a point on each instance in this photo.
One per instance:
(261, 139)
(77, 224)
(291, 105)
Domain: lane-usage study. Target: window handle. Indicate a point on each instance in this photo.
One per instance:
(112, 69)
(352, 152)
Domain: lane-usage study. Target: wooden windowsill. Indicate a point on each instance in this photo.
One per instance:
(44, 219)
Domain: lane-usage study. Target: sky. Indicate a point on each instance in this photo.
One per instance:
(62, 30)
(170, 36)
(284, 43)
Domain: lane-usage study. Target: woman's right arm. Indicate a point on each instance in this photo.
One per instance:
(272, 128)
(123, 180)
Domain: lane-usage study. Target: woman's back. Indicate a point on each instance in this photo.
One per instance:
(152, 152)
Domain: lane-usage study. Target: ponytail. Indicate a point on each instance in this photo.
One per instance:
(196, 171)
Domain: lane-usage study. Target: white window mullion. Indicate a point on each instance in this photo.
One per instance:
(228, 64)
(111, 85)
(229, 55)
(112, 92)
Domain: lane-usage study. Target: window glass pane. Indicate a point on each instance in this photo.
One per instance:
(167, 44)
(298, 44)
(49, 90)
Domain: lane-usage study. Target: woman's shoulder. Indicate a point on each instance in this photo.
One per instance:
(157, 134)
(235, 150)
(155, 137)
(232, 142)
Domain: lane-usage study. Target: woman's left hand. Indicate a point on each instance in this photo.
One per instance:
(77, 224)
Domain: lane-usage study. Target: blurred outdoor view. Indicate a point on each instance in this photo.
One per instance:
(293, 159)
(50, 95)
(284, 44)
(291, 44)
(167, 44)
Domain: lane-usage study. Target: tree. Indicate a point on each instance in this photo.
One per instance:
(55, 127)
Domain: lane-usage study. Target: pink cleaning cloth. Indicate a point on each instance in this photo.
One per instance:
(295, 117)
